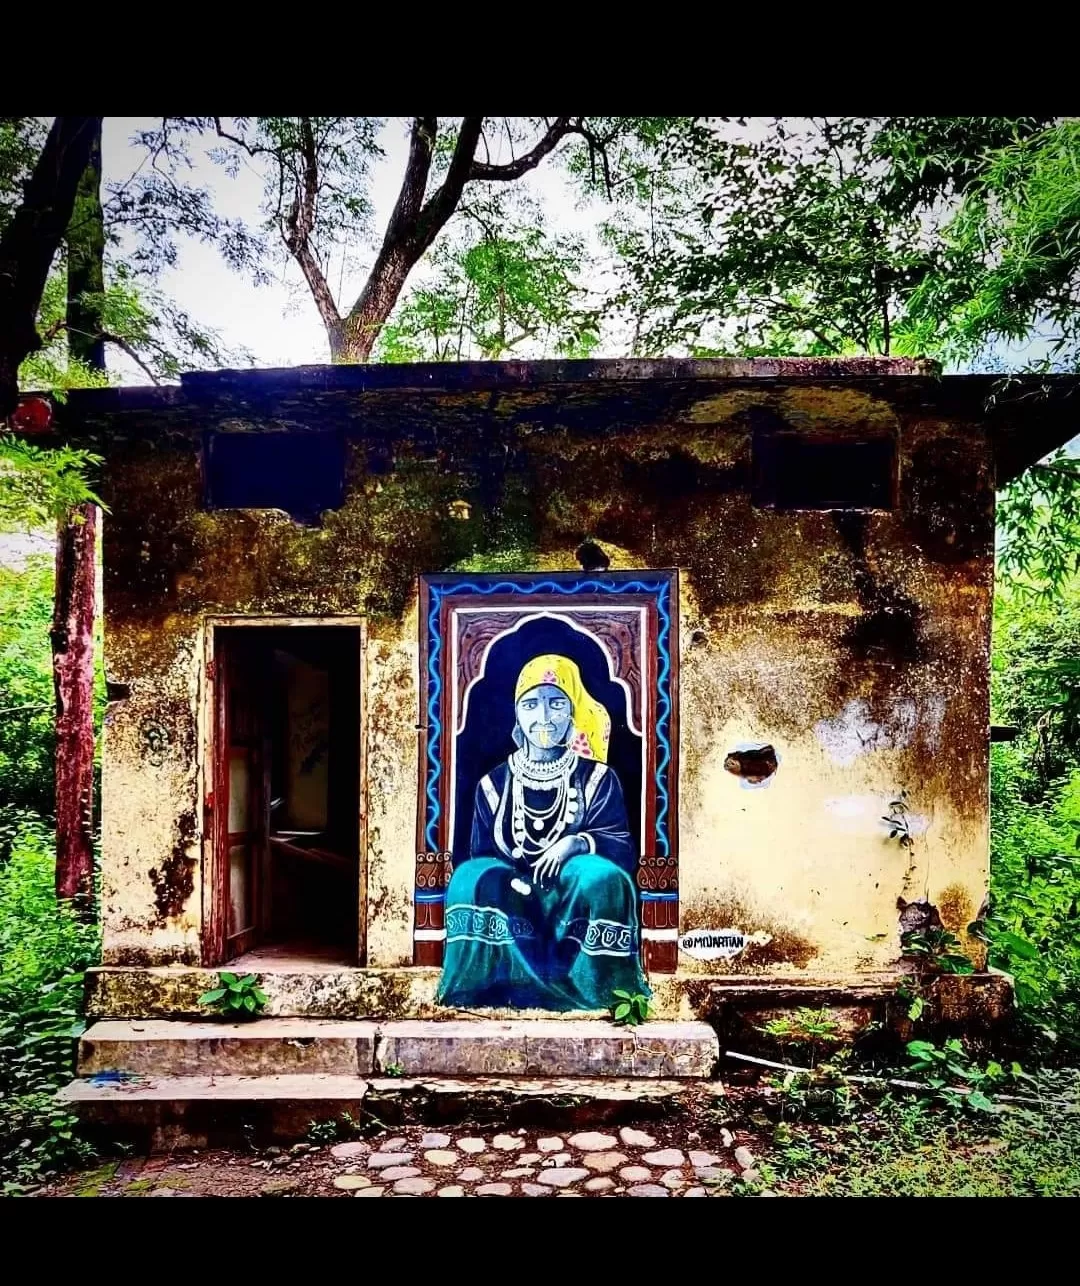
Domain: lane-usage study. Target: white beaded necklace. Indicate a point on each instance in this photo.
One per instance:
(554, 775)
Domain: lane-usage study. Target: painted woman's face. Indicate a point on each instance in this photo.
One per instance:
(543, 715)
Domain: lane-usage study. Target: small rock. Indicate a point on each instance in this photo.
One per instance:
(561, 1177)
(536, 1190)
(470, 1174)
(519, 1172)
(666, 1156)
(298, 1149)
(559, 1159)
(635, 1174)
(394, 1172)
(568, 1194)
(673, 1179)
(350, 1181)
(750, 1176)
(473, 1146)
(411, 1186)
(704, 1158)
(392, 1145)
(767, 1193)
(548, 1145)
(279, 1188)
(529, 1158)
(277, 1163)
(379, 1160)
(495, 1190)
(695, 1192)
(636, 1138)
(164, 1192)
(369, 1192)
(727, 1138)
(507, 1143)
(437, 1156)
(599, 1184)
(590, 1141)
(712, 1174)
(604, 1161)
(271, 1152)
(346, 1151)
(744, 1158)
(435, 1141)
(454, 1190)
(647, 1190)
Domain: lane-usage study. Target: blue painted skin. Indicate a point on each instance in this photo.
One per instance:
(564, 935)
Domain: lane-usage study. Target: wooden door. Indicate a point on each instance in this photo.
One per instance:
(240, 797)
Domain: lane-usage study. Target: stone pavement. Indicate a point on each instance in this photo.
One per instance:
(626, 1161)
(662, 1159)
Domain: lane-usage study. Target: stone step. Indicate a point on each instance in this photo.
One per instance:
(293, 1046)
(267, 1046)
(160, 1113)
(555, 1048)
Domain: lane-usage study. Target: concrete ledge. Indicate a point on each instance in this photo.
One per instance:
(172, 991)
(279, 1046)
(539, 1048)
(159, 1114)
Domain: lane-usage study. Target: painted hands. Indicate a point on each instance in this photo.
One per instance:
(549, 865)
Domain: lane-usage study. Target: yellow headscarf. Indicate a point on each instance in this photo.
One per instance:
(592, 724)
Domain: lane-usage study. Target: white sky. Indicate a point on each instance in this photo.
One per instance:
(278, 323)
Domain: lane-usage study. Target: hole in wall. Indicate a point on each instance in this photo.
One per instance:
(917, 916)
(591, 557)
(753, 764)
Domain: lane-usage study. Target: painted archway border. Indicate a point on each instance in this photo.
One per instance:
(446, 600)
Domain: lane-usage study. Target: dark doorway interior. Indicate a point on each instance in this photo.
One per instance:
(288, 775)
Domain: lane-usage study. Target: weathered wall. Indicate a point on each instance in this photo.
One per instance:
(856, 645)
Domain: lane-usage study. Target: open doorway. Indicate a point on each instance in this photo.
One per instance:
(286, 796)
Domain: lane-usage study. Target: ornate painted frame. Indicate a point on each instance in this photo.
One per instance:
(447, 602)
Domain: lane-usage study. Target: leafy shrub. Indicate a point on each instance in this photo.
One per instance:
(236, 998)
(628, 1010)
(1033, 929)
(26, 691)
(44, 951)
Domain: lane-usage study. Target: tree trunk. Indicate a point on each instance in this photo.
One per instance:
(360, 330)
(73, 680)
(30, 241)
(73, 610)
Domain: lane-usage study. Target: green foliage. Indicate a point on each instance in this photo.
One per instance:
(235, 998)
(40, 485)
(44, 950)
(813, 1030)
(822, 1094)
(333, 1129)
(939, 1065)
(905, 1147)
(501, 284)
(1032, 926)
(937, 950)
(629, 1009)
(27, 705)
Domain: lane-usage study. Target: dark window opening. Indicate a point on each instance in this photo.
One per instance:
(301, 473)
(796, 472)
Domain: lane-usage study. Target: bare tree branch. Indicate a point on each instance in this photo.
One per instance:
(481, 171)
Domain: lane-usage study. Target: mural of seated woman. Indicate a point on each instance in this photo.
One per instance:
(544, 912)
